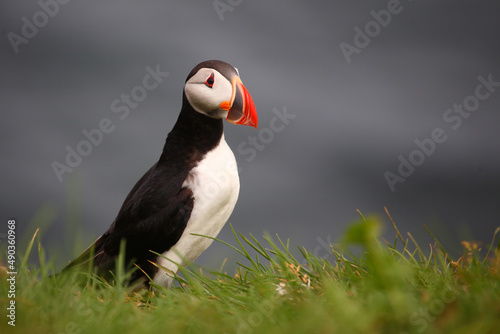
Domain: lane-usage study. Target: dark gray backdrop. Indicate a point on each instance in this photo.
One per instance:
(360, 81)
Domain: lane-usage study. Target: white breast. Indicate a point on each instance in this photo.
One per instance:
(215, 185)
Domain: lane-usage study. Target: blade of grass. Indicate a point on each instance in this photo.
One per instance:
(420, 253)
(361, 215)
(438, 243)
(491, 244)
(255, 247)
(221, 241)
(286, 247)
(24, 260)
(395, 227)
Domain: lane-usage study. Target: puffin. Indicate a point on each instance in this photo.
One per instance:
(188, 194)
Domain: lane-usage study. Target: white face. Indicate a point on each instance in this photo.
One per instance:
(206, 90)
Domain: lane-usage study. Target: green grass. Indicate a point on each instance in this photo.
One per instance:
(400, 287)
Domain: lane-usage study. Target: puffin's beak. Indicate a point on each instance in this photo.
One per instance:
(241, 107)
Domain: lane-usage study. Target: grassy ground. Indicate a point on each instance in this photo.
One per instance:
(389, 288)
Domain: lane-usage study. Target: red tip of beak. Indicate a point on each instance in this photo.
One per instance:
(242, 108)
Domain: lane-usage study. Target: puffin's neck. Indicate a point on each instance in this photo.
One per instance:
(193, 133)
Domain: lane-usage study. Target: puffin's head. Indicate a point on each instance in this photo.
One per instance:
(214, 88)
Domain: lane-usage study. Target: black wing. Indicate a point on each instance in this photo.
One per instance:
(152, 217)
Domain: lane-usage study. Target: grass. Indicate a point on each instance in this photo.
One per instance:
(398, 287)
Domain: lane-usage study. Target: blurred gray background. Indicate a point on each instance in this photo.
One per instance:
(63, 65)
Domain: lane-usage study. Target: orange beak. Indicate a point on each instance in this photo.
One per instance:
(241, 107)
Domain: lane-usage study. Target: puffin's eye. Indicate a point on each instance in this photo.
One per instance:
(210, 81)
